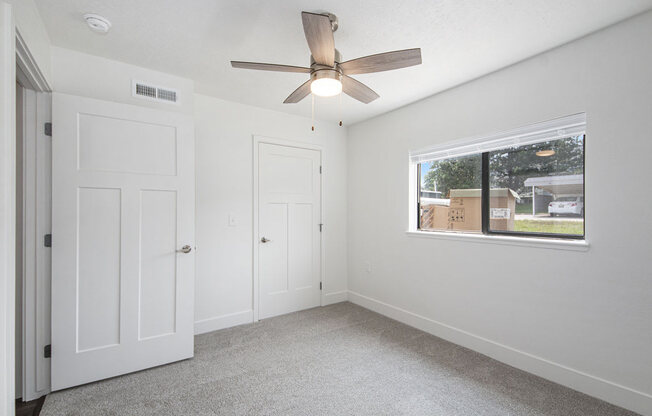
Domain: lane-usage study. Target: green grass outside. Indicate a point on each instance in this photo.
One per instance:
(557, 227)
(524, 208)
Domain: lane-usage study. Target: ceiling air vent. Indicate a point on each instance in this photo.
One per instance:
(154, 93)
(145, 91)
(166, 95)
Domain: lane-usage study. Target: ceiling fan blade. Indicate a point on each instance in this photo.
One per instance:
(319, 35)
(358, 90)
(382, 62)
(298, 94)
(269, 67)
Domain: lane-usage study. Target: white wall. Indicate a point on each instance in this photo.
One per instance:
(7, 208)
(105, 79)
(31, 27)
(580, 318)
(224, 133)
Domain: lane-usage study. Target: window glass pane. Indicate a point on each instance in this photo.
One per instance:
(538, 188)
(450, 194)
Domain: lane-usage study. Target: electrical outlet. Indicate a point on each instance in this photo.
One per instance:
(367, 267)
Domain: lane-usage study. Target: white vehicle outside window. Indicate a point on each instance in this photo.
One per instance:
(567, 205)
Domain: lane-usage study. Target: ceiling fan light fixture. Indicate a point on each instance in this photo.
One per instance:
(326, 83)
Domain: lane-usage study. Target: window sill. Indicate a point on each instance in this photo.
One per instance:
(547, 243)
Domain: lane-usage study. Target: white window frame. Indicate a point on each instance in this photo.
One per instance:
(572, 125)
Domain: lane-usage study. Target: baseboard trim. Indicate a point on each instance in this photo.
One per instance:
(224, 321)
(335, 297)
(608, 391)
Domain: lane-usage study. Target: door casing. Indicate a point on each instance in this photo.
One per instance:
(37, 157)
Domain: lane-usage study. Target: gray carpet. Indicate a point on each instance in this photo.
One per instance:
(337, 360)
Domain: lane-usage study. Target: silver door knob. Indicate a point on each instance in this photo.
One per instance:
(264, 240)
(185, 249)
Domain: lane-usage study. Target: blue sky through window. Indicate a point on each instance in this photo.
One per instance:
(425, 167)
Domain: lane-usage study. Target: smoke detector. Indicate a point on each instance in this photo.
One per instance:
(97, 23)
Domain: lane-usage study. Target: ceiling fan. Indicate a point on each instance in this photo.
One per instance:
(329, 76)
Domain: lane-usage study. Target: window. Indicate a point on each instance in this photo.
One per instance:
(528, 182)
(449, 179)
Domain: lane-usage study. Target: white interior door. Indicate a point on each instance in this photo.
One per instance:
(122, 208)
(289, 242)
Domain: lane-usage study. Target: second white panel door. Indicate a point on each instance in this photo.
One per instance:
(289, 216)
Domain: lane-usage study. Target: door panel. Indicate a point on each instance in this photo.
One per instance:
(98, 281)
(123, 145)
(287, 174)
(158, 274)
(275, 274)
(301, 247)
(289, 212)
(122, 207)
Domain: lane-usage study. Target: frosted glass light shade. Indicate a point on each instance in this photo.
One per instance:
(326, 87)
(326, 82)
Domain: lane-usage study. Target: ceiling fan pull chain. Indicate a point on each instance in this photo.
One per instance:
(340, 98)
(313, 111)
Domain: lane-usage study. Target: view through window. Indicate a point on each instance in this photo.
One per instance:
(450, 194)
(534, 189)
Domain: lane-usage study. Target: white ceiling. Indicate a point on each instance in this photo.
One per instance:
(460, 41)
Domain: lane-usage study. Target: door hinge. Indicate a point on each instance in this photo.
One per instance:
(319, 169)
(47, 240)
(47, 351)
(319, 285)
(48, 129)
(320, 226)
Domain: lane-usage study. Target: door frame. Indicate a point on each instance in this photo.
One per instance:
(36, 275)
(322, 253)
(36, 213)
(13, 52)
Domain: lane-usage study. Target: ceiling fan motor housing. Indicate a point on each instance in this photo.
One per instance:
(338, 59)
(326, 73)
